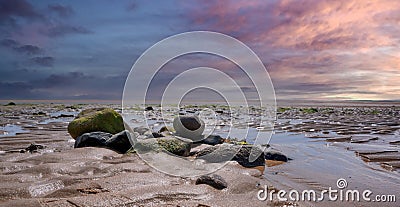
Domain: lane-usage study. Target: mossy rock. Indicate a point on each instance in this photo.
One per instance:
(100, 119)
(170, 144)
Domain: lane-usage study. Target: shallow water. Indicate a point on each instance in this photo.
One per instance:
(11, 130)
(318, 164)
(57, 117)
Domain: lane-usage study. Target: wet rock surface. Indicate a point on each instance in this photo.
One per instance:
(226, 152)
(169, 144)
(212, 140)
(120, 142)
(213, 180)
(273, 155)
(92, 139)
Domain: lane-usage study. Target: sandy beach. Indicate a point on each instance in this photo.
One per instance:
(324, 144)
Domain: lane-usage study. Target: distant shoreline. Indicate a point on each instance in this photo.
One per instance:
(280, 103)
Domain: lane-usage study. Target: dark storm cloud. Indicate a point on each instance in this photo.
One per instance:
(17, 8)
(73, 85)
(61, 10)
(44, 61)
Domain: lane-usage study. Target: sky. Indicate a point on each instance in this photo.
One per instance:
(312, 49)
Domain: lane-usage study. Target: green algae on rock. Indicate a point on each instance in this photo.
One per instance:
(100, 119)
(170, 144)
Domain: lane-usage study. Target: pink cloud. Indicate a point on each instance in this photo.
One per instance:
(317, 47)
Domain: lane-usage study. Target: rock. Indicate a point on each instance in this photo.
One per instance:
(213, 180)
(65, 115)
(217, 154)
(213, 140)
(92, 139)
(166, 129)
(174, 146)
(242, 157)
(11, 104)
(189, 127)
(157, 135)
(34, 148)
(272, 155)
(40, 113)
(120, 142)
(170, 144)
(92, 120)
(142, 130)
(226, 152)
(149, 108)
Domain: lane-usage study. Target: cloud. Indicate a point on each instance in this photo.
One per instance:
(44, 61)
(62, 79)
(132, 6)
(68, 85)
(64, 29)
(8, 43)
(19, 89)
(9, 10)
(312, 48)
(61, 10)
(16, 46)
(315, 47)
(302, 24)
(29, 49)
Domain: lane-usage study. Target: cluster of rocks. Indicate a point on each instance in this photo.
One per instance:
(103, 127)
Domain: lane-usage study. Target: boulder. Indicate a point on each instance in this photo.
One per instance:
(170, 144)
(238, 153)
(157, 135)
(189, 127)
(166, 130)
(120, 142)
(242, 157)
(92, 139)
(213, 180)
(272, 155)
(10, 104)
(217, 154)
(149, 108)
(213, 140)
(92, 120)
